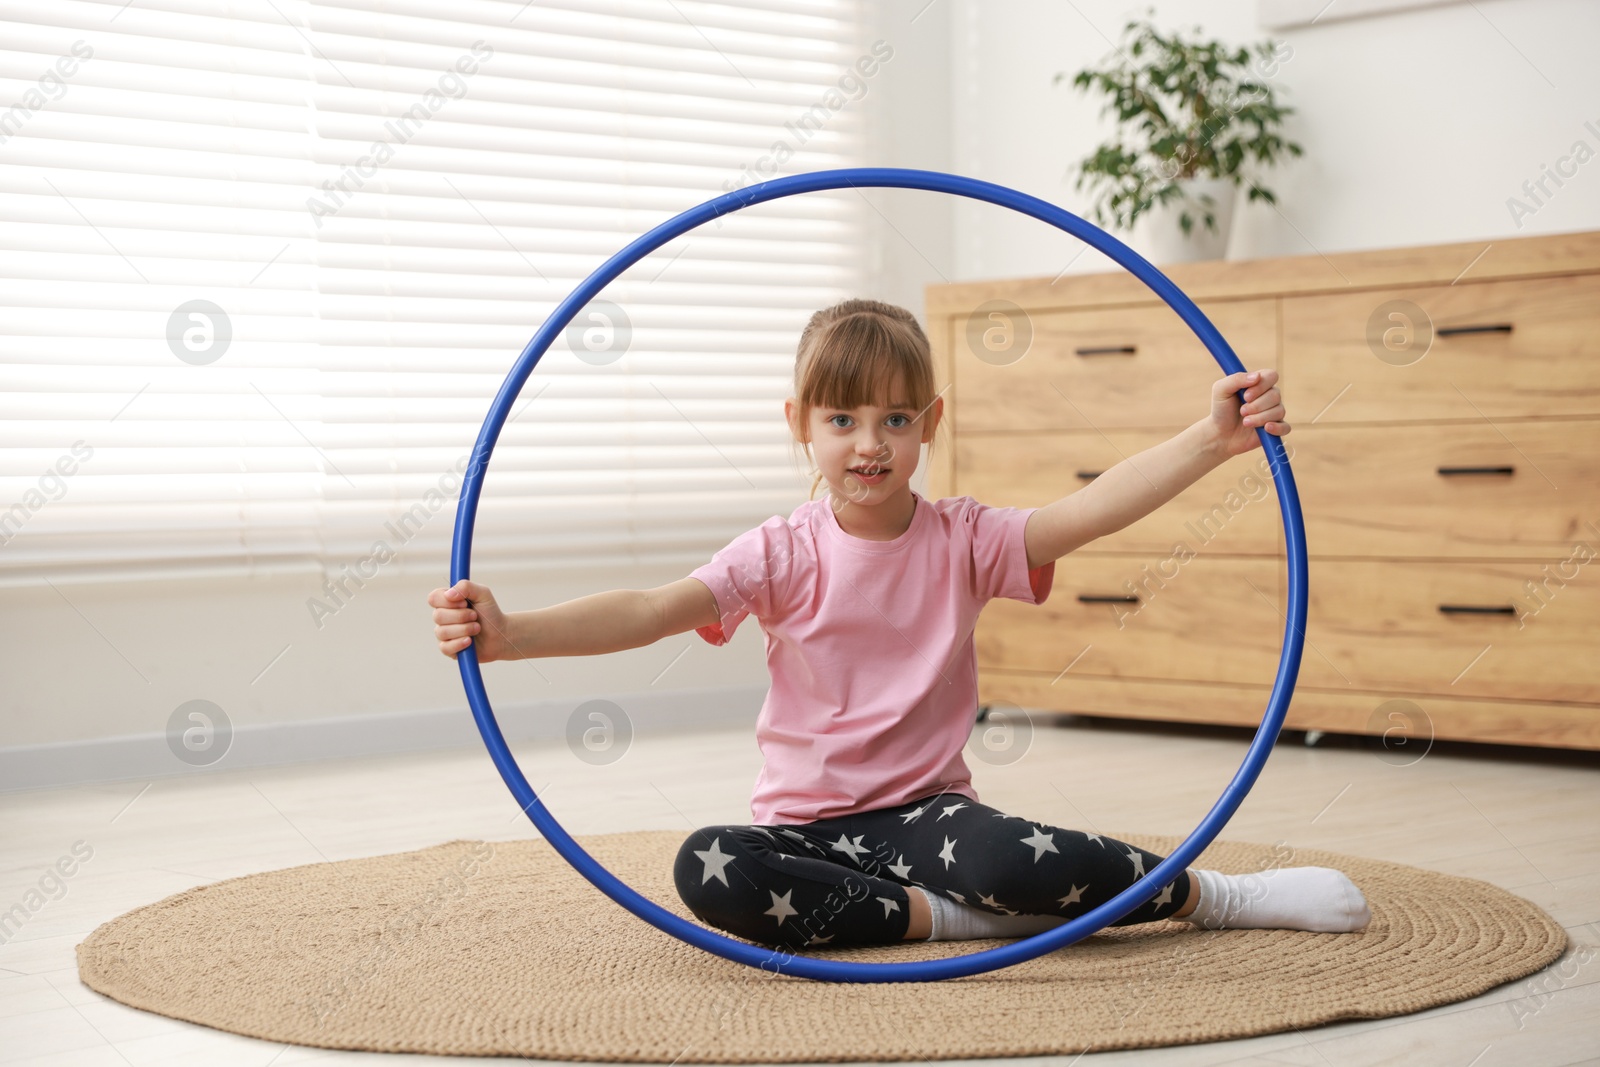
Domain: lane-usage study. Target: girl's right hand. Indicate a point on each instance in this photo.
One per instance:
(458, 624)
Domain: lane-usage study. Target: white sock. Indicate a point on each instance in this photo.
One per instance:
(961, 922)
(1289, 898)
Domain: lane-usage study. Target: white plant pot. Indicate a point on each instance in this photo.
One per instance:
(1159, 237)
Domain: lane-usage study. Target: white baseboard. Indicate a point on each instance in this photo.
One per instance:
(145, 756)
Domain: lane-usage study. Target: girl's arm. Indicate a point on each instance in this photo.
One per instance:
(467, 614)
(1141, 483)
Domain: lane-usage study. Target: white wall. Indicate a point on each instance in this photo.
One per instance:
(93, 661)
(909, 125)
(1417, 126)
(94, 672)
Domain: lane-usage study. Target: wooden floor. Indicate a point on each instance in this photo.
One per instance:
(1524, 819)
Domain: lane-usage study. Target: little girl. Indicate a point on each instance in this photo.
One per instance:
(865, 826)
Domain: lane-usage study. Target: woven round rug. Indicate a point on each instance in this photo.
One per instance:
(477, 948)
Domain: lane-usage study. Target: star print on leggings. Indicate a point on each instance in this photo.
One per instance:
(781, 909)
(1041, 843)
(1074, 897)
(1138, 863)
(993, 903)
(849, 848)
(762, 900)
(715, 860)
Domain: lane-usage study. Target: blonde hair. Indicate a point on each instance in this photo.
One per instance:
(849, 356)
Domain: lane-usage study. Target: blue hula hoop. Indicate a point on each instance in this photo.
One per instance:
(776, 960)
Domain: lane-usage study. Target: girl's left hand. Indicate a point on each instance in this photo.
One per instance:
(1234, 423)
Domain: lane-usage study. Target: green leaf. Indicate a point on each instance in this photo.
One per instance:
(1184, 108)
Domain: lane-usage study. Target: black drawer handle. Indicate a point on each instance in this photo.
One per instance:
(1477, 609)
(1089, 476)
(1477, 470)
(1451, 331)
(1092, 598)
(1111, 350)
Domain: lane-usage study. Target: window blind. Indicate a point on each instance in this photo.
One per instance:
(264, 267)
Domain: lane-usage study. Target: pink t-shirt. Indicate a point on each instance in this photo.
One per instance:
(869, 644)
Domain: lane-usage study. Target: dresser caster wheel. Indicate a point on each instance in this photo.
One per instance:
(1313, 736)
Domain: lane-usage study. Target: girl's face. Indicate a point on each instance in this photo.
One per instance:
(867, 455)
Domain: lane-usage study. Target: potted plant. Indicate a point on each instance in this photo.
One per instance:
(1195, 112)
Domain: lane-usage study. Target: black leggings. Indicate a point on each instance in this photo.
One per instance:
(842, 881)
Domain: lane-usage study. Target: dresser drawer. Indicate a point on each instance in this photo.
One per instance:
(1510, 631)
(1210, 619)
(1527, 347)
(1341, 711)
(1111, 368)
(1512, 489)
(1234, 509)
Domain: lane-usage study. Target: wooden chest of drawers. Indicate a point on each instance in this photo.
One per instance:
(1446, 411)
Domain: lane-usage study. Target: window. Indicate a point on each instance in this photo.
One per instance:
(265, 273)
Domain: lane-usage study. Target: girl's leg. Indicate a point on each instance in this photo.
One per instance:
(780, 885)
(1191, 898)
(1016, 869)
(921, 925)
(981, 857)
